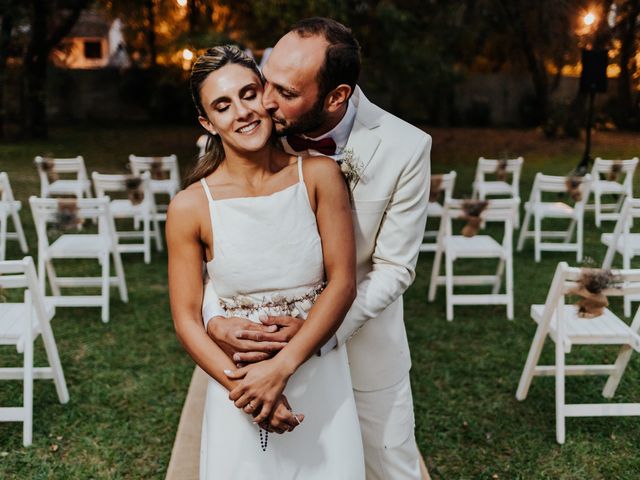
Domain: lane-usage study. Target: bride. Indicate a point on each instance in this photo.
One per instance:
(277, 239)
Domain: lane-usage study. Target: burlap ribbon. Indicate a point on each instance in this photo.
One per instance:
(592, 282)
(614, 172)
(435, 189)
(472, 210)
(134, 190)
(67, 215)
(572, 183)
(48, 165)
(501, 171)
(157, 172)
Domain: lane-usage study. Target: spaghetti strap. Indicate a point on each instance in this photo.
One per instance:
(206, 189)
(300, 177)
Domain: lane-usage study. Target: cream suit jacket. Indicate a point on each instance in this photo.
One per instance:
(389, 213)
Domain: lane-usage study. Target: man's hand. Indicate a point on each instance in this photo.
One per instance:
(275, 330)
(226, 332)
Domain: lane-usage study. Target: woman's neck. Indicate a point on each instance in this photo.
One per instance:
(252, 168)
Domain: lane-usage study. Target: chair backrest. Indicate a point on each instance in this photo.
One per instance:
(54, 166)
(21, 274)
(629, 213)
(47, 211)
(167, 165)
(566, 278)
(499, 210)
(603, 168)
(447, 182)
(105, 184)
(6, 194)
(558, 184)
(489, 166)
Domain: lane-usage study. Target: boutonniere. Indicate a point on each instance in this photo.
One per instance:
(350, 167)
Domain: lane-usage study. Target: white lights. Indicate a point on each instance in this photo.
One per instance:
(589, 19)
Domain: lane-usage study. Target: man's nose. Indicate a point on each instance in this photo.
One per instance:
(268, 99)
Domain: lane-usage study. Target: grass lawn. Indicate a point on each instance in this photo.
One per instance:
(127, 379)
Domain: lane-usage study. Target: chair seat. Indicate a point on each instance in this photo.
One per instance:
(632, 238)
(494, 187)
(478, 246)
(606, 186)
(15, 205)
(163, 186)
(434, 209)
(124, 208)
(605, 329)
(74, 246)
(68, 187)
(551, 209)
(11, 321)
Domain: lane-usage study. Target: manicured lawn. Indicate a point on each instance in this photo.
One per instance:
(128, 378)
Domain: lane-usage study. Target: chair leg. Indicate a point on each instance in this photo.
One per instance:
(537, 232)
(146, 238)
(27, 388)
(42, 273)
(532, 361)
(560, 404)
(499, 273)
(524, 230)
(435, 273)
(54, 362)
(156, 233)
(22, 239)
(569, 235)
(509, 288)
(613, 381)
(122, 282)
(579, 239)
(448, 262)
(3, 237)
(105, 288)
(53, 278)
(598, 207)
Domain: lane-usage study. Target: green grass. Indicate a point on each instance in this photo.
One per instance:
(128, 378)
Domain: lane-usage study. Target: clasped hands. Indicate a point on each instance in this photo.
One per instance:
(263, 376)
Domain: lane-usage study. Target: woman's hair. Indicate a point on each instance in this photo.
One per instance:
(213, 59)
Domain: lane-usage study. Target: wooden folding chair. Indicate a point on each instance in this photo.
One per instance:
(75, 182)
(10, 209)
(566, 328)
(140, 206)
(538, 209)
(455, 247)
(102, 246)
(444, 184)
(20, 325)
(611, 177)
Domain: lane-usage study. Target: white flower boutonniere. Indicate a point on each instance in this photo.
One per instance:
(350, 167)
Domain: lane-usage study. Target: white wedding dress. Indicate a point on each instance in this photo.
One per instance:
(268, 259)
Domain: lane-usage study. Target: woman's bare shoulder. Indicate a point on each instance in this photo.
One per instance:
(320, 168)
(188, 201)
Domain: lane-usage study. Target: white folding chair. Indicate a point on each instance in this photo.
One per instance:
(624, 242)
(76, 183)
(537, 210)
(500, 186)
(563, 325)
(606, 180)
(101, 246)
(139, 207)
(20, 325)
(165, 176)
(445, 184)
(9, 209)
(455, 247)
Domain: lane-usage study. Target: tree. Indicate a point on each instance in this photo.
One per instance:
(49, 21)
(6, 27)
(627, 32)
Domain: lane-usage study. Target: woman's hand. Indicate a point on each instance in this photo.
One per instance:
(260, 388)
(282, 419)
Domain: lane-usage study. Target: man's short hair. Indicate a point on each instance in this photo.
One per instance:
(342, 58)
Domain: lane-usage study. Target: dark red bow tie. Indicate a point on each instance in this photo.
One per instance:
(325, 146)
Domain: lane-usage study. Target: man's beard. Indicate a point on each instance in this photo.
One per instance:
(308, 121)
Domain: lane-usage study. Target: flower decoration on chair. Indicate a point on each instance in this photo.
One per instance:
(135, 194)
(501, 170)
(157, 170)
(472, 214)
(48, 165)
(67, 215)
(591, 285)
(435, 188)
(614, 172)
(573, 183)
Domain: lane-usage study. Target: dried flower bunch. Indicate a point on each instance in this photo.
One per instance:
(591, 284)
(49, 168)
(501, 170)
(133, 185)
(472, 214)
(435, 188)
(349, 166)
(614, 172)
(67, 215)
(572, 183)
(157, 172)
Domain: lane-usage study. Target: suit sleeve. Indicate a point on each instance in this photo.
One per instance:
(210, 303)
(397, 245)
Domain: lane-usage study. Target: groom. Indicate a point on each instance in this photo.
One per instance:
(317, 108)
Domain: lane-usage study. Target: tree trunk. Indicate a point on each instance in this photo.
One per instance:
(193, 16)
(151, 34)
(627, 50)
(5, 40)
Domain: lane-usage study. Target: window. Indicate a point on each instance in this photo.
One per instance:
(92, 49)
